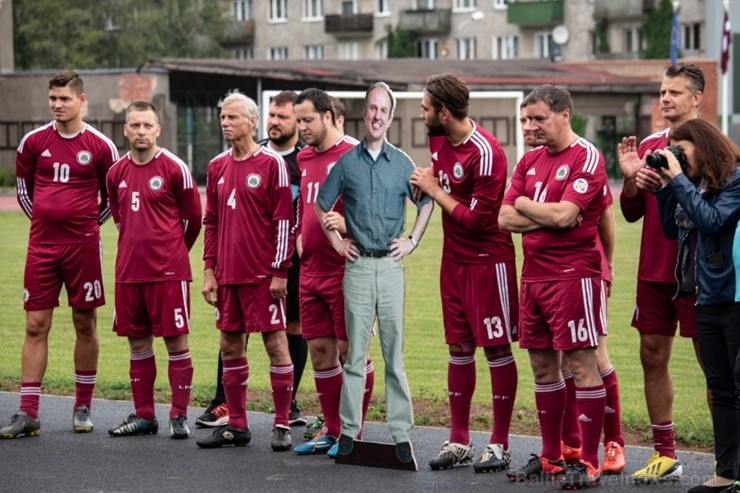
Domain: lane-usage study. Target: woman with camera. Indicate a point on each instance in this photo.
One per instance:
(697, 183)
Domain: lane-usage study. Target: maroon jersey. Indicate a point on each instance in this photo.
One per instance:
(606, 274)
(318, 257)
(576, 174)
(156, 208)
(658, 254)
(59, 178)
(249, 210)
(474, 174)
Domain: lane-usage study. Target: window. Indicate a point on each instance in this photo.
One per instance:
(629, 42)
(542, 43)
(242, 10)
(424, 5)
(465, 5)
(427, 48)
(278, 10)
(244, 53)
(348, 50)
(381, 50)
(313, 52)
(465, 48)
(506, 47)
(278, 53)
(501, 4)
(348, 7)
(382, 7)
(313, 9)
(691, 37)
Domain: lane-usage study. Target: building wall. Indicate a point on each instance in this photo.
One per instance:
(7, 63)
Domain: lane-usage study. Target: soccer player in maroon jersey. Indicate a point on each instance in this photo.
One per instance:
(614, 460)
(60, 169)
(247, 250)
(555, 200)
(658, 310)
(283, 138)
(322, 268)
(156, 207)
(478, 274)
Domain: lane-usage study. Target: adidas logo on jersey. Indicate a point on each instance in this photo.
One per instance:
(435, 156)
(220, 181)
(531, 172)
(46, 153)
(122, 184)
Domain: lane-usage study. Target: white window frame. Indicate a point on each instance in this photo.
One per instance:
(381, 50)
(313, 10)
(313, 52)
(242, 10)
(465, 6)
(349, 50)
(244, 53)
(425, 4)
(355, 7)
(466, 48)
(428, 48)
(277, 53)
(542, 41)
(278, 11)
(505, 47)
(501, 4)
(382, 8)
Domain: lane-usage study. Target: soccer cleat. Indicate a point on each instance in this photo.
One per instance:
(134, 425)
(452, 454)
(537, 468)
(494, 458)
(614, 461)
(314, 428)
(658, 469)
(281, 439)
(296, 417)
(179, 427)
(21, 424)
(581, 474)
(319, 445)
(226, 435)
(333, 451)
(81, 422)
(570, 454)
(213, 416)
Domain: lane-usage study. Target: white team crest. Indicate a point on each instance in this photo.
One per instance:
(84, 157)
(156, 183)
(328, 168)
(580, 185)
(254, 180)
(26, 295)
(457, 170)
(562, 172)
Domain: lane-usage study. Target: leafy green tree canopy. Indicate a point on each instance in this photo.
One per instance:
(657, 31)
(49, 34)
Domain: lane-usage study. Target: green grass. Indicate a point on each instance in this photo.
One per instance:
(425, 351)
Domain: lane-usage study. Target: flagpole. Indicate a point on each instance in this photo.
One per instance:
(725, 89)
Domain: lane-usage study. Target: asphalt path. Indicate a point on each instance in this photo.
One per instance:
(59, 460)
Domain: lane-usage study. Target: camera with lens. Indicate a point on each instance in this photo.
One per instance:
(658, 161)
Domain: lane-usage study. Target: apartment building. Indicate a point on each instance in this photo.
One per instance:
(568, 30)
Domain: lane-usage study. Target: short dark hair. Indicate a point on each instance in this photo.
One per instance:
(284, 97)
(691, 72)
(449, 91)
(142, 106)
(556, 98)
(338, 105)
(320, 99)
(715, 156)
(67, 78)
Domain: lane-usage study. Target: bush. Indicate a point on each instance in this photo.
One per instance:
(7, 177)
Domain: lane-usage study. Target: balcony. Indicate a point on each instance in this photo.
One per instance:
(426, 22)
(239, 33)
(349, 26)
(616, 10)
(543, 13)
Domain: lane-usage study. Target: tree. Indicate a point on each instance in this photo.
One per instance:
(400, 44)
(657, 31)
(114, 33)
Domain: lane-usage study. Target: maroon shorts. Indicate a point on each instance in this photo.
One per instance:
(656, 312)
(479, 303)
(249, 308)
(78, 266)
(561, 315)
(322, 307)
(160, 309)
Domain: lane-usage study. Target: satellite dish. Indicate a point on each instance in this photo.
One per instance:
(560, 34)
